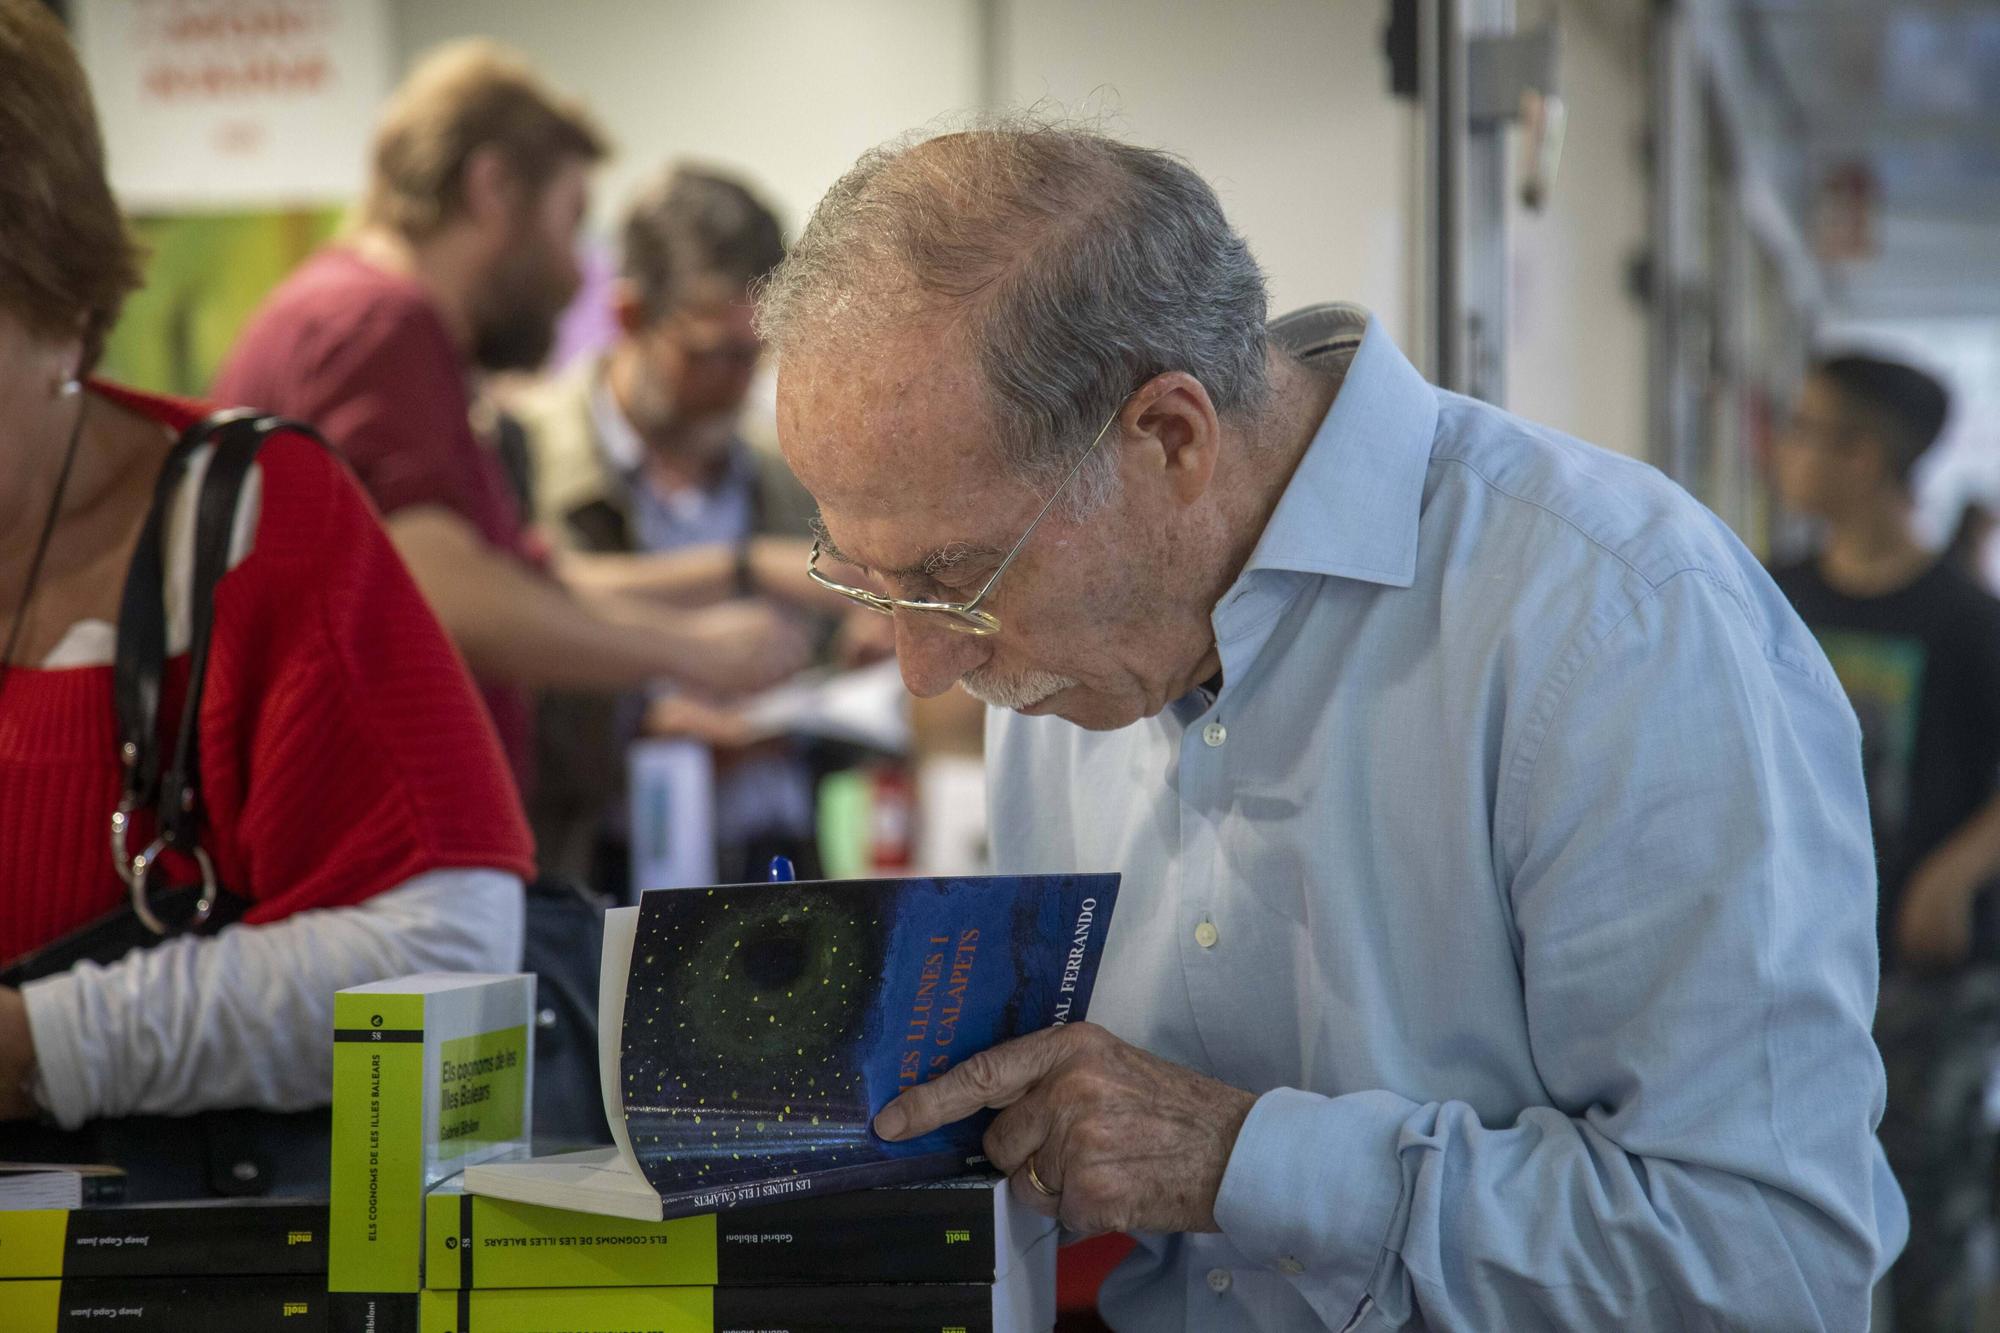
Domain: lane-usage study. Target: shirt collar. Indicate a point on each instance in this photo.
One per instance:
(1352, 505)
(623, 448)
(616, 436)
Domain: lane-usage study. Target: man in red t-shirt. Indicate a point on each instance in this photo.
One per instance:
(463, 262)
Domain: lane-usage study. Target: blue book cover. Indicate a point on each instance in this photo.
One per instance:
(750, 1032)
(766, 1024)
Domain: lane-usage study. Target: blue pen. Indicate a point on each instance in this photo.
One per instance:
(781, 871)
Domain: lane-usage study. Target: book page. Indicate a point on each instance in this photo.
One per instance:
(621, 926)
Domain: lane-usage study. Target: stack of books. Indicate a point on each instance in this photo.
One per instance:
(246, 1265)
(434, 1074)
(749, 1033)
(953, 1255)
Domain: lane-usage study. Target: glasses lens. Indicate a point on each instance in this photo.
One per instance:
(980, 623)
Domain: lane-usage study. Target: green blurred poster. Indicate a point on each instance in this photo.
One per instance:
(205, 274)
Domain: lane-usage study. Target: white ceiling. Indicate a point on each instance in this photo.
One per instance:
(1911, 90)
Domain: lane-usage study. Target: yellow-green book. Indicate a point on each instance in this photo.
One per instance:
(431, 1073)
(234, 1236)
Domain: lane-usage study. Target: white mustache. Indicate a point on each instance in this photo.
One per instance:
(1016, 692)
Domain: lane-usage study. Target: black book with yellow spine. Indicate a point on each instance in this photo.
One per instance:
(234, 1236)
(943, 1308)
(966, 1230)
(270, 1303)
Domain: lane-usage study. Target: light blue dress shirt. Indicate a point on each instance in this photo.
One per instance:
(1522, 867)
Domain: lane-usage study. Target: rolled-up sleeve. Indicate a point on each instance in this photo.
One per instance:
(1683, 832)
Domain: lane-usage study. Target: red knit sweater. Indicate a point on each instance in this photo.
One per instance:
(343, 749)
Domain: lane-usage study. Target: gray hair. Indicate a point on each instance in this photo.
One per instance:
(1075, 267)
(691, 224)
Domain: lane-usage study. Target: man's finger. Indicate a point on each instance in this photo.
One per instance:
(995, 1077)
(1034, 1200)
(1026, 1129)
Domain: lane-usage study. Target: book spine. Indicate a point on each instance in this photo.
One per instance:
(375, 1222)
(939, 1308)
(879, 1235)
(811, 1184)
(571, 1309)
(372, 1312)
(242, 1238)
(32, 1242)
(266, 1304)
(961, 1308)
(479, 1242)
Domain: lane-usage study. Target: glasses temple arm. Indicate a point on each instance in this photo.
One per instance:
(1043, 513)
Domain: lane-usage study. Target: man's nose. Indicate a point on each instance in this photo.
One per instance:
(932, 655)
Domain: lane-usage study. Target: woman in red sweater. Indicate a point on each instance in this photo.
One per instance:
(355, 792)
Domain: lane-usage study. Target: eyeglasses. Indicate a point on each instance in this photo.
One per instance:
(964, 617)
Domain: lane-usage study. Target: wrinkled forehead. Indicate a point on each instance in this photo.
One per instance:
(892, 442)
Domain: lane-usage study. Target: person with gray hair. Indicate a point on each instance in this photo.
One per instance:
(1496, 942)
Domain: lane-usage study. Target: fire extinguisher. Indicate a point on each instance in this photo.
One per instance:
(892, 819)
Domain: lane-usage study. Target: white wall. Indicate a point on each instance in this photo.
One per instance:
(1283, 105)
(1578, 345)
(786, 92)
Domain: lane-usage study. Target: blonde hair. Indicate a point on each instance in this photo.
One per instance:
(461, 98)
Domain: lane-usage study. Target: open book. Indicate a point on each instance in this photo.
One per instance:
(749, 1033)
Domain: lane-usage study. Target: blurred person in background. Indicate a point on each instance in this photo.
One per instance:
(357, 802)
(462, 262)
(1969, 547)
(648, 450)
(1916, 643)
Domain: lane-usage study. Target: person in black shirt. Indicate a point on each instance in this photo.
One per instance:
(1917, 645)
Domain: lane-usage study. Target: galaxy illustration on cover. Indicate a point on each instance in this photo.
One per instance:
(766, 1024)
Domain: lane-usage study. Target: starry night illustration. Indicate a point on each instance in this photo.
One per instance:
(765, 1024)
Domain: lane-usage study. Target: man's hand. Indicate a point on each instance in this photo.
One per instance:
(741, 647)
(685, 716)
(1125, 1140)
(1934, 923)
(17, 1057)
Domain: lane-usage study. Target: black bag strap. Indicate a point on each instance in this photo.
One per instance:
(142, 637)
(170, 785)
(236, 448)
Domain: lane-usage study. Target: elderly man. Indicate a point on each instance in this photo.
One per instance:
(1497, 943)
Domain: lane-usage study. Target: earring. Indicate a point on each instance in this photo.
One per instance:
(71, 387)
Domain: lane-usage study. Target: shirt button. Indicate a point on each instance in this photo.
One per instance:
(1214, 734)
(1218, 1280)
(1290, 1267)
(1206, 934)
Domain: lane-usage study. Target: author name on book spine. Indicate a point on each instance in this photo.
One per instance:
(1086, 920)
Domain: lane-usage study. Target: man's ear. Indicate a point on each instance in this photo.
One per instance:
(627, 307)
(492, 189)
(1172, 420)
